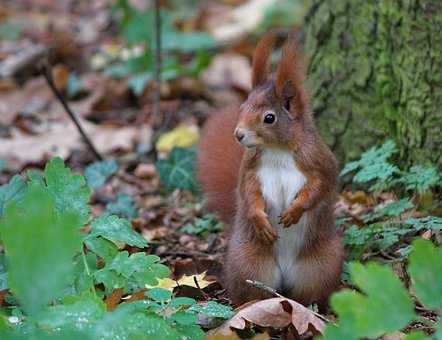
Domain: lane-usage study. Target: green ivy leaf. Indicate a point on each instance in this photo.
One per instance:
(178, 171)
(39, 245)
(116, 230)
(425, 270)
(124, 206)
(69, 190)
(97, 173)
(364, 315)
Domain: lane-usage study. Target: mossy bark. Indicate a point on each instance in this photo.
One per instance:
(375, 73)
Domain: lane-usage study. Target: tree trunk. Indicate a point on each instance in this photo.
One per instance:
(376, 73)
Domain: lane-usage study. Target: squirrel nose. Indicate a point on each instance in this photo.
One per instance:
(239, 134)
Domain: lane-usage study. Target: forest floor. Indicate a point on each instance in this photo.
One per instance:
(84, 48)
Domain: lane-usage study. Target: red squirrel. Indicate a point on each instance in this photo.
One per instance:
(265, 169)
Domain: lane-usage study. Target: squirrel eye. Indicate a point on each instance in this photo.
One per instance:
(269, 118)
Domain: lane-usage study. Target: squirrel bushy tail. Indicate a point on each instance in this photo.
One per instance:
(218, 164)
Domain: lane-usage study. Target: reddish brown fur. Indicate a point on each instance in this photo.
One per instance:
(251, 249)
(219, 159)
(262, 55)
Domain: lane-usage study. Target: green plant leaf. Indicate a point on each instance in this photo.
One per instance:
(384, 307)
(420, 178)
(12, 191)
(178, 171)
(416, 335)
(124, 206)
(117, 230)
(85, 266)
(159, 295)
(425, 270)
(3, 273)
(110, 279)
(203, 226)
(97, 173)
(182, 301)
(439, 331)
(69, 190)
(393, 209)
(40, 244)
(213, 309)
(427, 222)
(125, 323)
(184, 318)
(79, 314)
(139, 268)
(374, 166)
(102, 247)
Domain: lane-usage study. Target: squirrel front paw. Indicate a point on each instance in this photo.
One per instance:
(263, 229)
(291, 216)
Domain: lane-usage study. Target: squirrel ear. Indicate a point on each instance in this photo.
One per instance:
(288, 78)
(261, 57)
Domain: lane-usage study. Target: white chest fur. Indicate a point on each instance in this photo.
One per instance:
(280, 181)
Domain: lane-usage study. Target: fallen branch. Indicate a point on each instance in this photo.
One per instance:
(47, 73)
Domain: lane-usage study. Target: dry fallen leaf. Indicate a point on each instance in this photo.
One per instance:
(182, 136)
(113, 299)
(62, 138)
(145, 170)
(275, 313)
(228, 70)
(185, 280)
(231, 335)
(241, 20)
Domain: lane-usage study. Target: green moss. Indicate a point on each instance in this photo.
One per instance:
(375, 73)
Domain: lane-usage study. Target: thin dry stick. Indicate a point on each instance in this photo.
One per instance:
(270, 290)
(157, 95)
(47, 73)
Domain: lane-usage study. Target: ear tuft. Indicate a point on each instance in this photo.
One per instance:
(288, 77)
(261, 58)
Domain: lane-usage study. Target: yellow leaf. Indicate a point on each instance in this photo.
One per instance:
(166, 283)
(190, 280)
(185, 280)
(182, 136)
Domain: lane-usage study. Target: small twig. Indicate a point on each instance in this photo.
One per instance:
(271, 290)
(205, 295)
(47, 73)
(157, 94)
(263, 287)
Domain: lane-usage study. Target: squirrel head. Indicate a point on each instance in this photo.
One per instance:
(277, 103)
